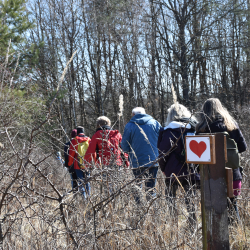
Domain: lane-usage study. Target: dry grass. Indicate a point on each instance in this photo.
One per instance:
(38, 210)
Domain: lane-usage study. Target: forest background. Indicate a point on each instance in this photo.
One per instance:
(64, 63)
(137, 49)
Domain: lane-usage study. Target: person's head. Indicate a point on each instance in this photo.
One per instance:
(58, 154)
(80, 130)
(212, 109)
(138, 110)
(102, 121)
(73, 133)
(176, 112)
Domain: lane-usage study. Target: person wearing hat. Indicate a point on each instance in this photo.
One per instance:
(81, 171)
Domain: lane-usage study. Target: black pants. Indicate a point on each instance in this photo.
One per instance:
(73, 178)
(150, 181)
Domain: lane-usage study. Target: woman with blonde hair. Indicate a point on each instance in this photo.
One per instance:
(216, 118)
(214, 112)
(178, 173)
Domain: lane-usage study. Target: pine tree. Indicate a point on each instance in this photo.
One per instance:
(14, 22)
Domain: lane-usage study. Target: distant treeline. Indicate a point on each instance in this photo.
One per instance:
(139, 49)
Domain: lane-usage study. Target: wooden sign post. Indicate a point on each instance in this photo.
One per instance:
(209, 152)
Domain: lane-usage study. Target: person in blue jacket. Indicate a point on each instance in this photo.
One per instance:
(140, 142)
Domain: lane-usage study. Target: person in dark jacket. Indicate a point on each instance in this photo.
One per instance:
(171, 147)
(66, 160)
(216, 118)
(139, 140)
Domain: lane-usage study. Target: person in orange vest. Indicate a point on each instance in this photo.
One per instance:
(76, 156)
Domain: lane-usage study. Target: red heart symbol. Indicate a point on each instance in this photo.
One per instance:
(198, 148)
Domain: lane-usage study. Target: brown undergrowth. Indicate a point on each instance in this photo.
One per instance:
(38, 209)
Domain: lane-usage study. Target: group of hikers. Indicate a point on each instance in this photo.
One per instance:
(146, 145)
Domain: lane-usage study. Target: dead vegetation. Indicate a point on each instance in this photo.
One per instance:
(38, 209)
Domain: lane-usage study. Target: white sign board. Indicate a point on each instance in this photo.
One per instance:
(200, 149)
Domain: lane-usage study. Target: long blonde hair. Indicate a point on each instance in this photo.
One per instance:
(213, 109)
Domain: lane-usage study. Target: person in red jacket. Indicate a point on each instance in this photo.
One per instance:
(104, 149)
(82, 173)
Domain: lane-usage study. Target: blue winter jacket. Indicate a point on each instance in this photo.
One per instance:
(140, 140)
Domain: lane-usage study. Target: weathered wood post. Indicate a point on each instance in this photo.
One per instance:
(214, 196)
(214, 192)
